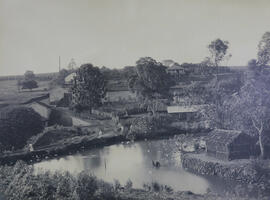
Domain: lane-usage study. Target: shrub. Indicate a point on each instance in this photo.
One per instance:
(60, 118)
(17, 125)
(87, 186)
(149, 125)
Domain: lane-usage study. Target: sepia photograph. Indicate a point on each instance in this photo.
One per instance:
(134, 100)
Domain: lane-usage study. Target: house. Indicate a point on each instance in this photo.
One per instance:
(176, 71)
(69, 78)
(229, 144)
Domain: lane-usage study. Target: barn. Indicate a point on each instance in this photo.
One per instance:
(229, 144)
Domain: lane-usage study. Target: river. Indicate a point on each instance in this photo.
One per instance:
(134, 161)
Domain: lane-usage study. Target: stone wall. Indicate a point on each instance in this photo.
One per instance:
(242, 171)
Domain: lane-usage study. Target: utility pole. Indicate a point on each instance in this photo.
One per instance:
(59, 63)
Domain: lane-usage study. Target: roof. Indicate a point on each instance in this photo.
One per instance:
(183, 109)
(223, 136)
(70, 77)
(39, 98)
(43, 104)
(175, 66)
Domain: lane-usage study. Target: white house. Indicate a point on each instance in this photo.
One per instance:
(69, 78)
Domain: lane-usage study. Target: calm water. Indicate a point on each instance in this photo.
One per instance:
(134, 162)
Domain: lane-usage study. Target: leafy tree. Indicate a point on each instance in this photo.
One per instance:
(252, 63)
(151, 79)
(264, 49)
(250, 109)
(29, 84)
(128, 72)
(29, 75)
(87, 186)
(17, 125)
(60, 80)
(88, 87)
(218, 52)
(72, 64)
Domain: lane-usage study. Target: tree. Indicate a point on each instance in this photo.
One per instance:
(218, 51)
(72, 64)
(151, 79)
(29, 84)
(264, 49)
(88, 87)
(252, 63)
(250, 109)
(29, 75)
(17, 125)
(60, 79)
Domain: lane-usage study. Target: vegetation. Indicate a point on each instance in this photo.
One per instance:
(29, 75)
(218, 52)
(60, 118)
(264, 49)
(151, 79)
(29, 84)
(17, 125)
(88, 88)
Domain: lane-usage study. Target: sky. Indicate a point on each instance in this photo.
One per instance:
(116, 33)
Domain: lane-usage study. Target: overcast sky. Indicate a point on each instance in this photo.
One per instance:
(116, 33)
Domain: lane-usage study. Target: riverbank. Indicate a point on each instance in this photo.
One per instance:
(59, 141)
(70, 146)
(253, 172)
(20, 182)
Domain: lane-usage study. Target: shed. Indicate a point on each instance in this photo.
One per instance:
(229, 144)
(184, 112)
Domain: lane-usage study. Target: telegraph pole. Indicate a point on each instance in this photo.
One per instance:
(59, 63)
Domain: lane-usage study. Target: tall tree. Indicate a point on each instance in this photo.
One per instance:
(218, 51)
(72, 64)
(29, 75)
(250, 109)
(151, 79)
(264, 49)
(88, 87)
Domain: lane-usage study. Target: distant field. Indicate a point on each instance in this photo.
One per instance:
(9, 92)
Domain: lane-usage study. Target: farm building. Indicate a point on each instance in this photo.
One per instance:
(229, 144)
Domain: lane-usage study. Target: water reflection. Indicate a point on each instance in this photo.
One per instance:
(133, 161)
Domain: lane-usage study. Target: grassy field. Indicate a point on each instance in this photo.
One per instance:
(9, 93)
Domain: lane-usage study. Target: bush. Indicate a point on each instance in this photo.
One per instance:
(87, 186)
(60, 118)
(17, 125)
(149, 125)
